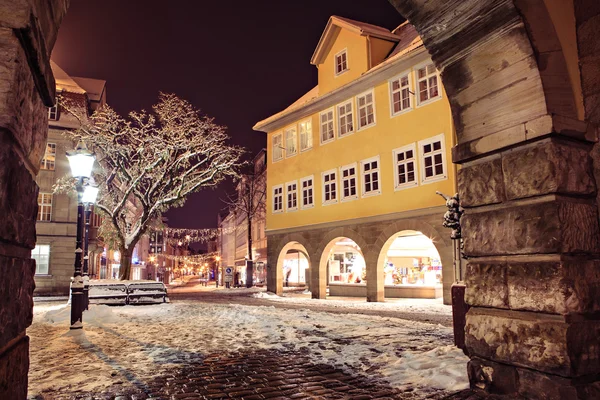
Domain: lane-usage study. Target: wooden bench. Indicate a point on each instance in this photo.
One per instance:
(146, 292)
(108, 294)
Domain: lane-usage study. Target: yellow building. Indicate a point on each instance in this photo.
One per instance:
(354, 167)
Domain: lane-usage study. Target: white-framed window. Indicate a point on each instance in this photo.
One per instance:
(366, 109)
(306, 138)
(371, 176)
(326, 124)
(345, 119)
(277, 199)
(277, 147)
(291, 143)
(330, 190)
(44, 207)
(428, 79)
(49, 160)
(349, 182)
(308, 192)
(400, 90)
(433, 159)
(41, 255)
(405, 167)
(53, 113)
(291, 194)
(341, 62)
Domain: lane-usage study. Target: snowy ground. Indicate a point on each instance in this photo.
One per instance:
(133, 343)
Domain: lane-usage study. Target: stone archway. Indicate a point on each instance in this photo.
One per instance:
(275, 249)
(531, 231)
(293, 245)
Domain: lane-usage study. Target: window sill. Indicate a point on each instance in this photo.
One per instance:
(340, 136)
(329, 203)
(401, 112)
(366, 127)
(291, 155)
(433, 180)
(308, 207)
(328, 141)
(306, 149)
(336, 74)
(371, 194)
(347, 199)
(406, 186)
(426, 102)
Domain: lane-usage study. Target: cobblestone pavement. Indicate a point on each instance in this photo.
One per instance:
(263, 374)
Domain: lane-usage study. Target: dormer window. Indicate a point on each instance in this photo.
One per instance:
(341, 62)
(53, 113)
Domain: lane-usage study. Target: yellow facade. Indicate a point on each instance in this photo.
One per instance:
(421, 122)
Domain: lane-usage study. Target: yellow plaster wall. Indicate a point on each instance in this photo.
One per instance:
(389, 133)
(356, 47)
(380, 49)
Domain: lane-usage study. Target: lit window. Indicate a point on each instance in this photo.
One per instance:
(49, 160)
(371, 178)
(329, 187)
(306, 139)
(53, 113)
(278, 199)
(341, 62)
(277, 147)
(291, 147)
(292, 196)
(327, 133)
(307, 187)
(366, 110)
(433, 159)
(400, 94)
(44, 207)
(41, 255)
(405, 167)
(345, 119)
(348, 176)
(427, 81)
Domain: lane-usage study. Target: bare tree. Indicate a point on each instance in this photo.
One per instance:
(150, 162)
(250, 203)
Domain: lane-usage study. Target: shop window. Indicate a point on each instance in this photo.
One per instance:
(292, 196)
(306, 139)
(366, 109)
(329, 187)
(44, 207)
(277, 147)
(49, 160)
(291, 144)
(349, 182)
(433, 159)
(400, 94)
(307, 186)
(405, 167)
(341, 62)
(371, 177)
(427, 83)
(345, 119)
(327, 132)
(41, 255)
(277, 199)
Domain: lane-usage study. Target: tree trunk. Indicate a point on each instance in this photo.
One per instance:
(125, 268)
(250, 262)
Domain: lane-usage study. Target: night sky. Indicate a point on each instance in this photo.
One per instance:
(237, 61)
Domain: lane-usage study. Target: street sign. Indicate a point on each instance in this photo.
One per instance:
(228, 274)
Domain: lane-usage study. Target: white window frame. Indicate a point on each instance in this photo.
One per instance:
(44, 163)
(345, 115)
(335, 62)
(363, 186)
(37, 257)
(335, 181)
(286, 131)
(422, 156)
(411, 147)
(43, 206)
(293, 193)
(53, 113)
(358, 108)
(410, 89)
(311, 187)
(305, 129)
(274, 211)
(417, 92)
(332, 125)
(280, 148)
(343, 197)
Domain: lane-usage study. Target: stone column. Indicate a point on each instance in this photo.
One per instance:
(375, 278)
(318, 275)
(533, 276)
(27, 34)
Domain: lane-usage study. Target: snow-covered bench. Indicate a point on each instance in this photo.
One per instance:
(115, 293)
(146, 292)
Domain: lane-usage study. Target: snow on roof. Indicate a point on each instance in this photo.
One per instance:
(365, 28)
(409, 39)
(93, 87)
(64, 81)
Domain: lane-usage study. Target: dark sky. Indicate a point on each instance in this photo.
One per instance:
(237, 61)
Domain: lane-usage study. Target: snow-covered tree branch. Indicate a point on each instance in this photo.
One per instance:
(150, 162)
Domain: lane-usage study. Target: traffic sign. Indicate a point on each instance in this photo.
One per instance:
(228, 274)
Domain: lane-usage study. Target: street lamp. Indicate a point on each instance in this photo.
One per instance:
(90, 192)
(81, 161)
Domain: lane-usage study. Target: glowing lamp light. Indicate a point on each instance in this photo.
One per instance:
(81, 161)
(217, 258)
(90, 193)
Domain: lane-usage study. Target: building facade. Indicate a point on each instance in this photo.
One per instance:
(354, 168)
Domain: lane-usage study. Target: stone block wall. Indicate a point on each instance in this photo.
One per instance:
(28, 30)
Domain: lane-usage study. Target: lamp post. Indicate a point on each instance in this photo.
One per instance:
(218, 260)
(81, 161)
(90, 192)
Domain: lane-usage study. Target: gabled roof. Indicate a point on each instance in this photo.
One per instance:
(361, 28)
(93, 87)
(64, 81)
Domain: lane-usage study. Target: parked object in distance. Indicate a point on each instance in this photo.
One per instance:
(127, 292)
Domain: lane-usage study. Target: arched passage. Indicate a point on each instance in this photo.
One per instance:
(345, 268)
(293, 266)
